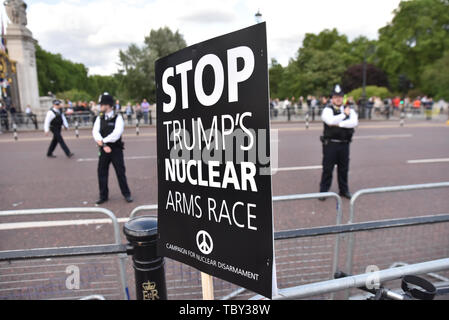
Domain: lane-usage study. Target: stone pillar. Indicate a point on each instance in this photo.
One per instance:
(21, 48)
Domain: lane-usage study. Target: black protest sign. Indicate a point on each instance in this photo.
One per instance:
(213, 147)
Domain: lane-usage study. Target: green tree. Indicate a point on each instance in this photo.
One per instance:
(436, 78)
(353, 77)
(371, 91)
(74, 95)
(99, 84)
(137, 73)
(320, 63)
(275, 76)
(417, 36)
(57, 74)
(290, 84)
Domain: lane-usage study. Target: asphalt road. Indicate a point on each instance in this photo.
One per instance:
(382, 154)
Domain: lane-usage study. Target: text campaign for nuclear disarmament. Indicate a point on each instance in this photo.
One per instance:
(213, 146)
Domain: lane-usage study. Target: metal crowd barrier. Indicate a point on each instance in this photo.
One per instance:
(138, 209)
(361, 280)
(116, 248)
(359, 193)
(308, 196)
(292, 292)
(283, 235)
(331, 286)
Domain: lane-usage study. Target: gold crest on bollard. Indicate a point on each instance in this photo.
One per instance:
(149, 291)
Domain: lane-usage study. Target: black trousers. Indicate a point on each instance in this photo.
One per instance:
(116, 157)
(57, 138)
(335, 154)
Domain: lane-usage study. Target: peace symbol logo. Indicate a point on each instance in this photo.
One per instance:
(204, 242)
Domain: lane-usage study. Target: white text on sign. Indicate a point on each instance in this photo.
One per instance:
(235, 76)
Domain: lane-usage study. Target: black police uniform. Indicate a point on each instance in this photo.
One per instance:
(55, 128)
(336, 141)
(335, 152)
(107, 126)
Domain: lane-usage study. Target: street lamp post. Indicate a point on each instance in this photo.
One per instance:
(369, 50)
(363, 102)
(258, 17)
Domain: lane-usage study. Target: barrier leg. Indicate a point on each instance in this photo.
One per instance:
(149, 271)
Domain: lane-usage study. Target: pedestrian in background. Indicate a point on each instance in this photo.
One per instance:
(427, 103)
(107, 132)
(13, 112)
(118, 106)
(129, 113)
(54, 121)
(339, 123)
(369, 107)
(145, 106)
(4, 118)
(139, 113)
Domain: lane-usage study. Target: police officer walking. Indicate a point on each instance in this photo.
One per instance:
(339, 123)
(54, 121)
(107, 132)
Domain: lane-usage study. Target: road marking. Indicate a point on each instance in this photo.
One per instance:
(126, 158)
(70, 137)
(428, 160)
(366, 126)
(383, 136)
(296, 168)
(60, 223)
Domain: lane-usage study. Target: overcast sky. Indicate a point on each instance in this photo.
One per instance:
(92, 31)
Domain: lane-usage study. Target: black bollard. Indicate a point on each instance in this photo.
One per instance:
(149, 271)
(151, 119)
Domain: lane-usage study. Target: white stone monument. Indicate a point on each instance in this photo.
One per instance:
(21, 48)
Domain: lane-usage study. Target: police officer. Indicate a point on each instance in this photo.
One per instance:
(339, 123)
(54, 121)
(107, 132)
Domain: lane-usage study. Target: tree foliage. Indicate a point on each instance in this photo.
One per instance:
(275, 77)
(56, 74)
(436, 78)
(417, 36)
(134, 80)
(371, 91)
(406, 52)
(409, 56)
(353, 77)
(137, 63)
(74, 95)
(320, 63)
(65, 78)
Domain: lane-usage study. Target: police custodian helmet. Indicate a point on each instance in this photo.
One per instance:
(106, 98)
(337, 91)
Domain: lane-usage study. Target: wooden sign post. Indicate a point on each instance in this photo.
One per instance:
(207, 282)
